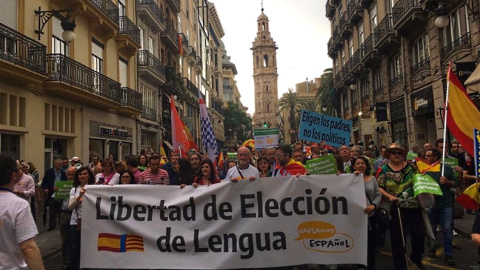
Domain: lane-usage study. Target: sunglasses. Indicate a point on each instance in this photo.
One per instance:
(396, 152)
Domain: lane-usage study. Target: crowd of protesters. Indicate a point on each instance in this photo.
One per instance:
(387, 172)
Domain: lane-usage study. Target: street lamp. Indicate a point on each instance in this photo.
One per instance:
(360, 125)
(442, 19)
(68, 25)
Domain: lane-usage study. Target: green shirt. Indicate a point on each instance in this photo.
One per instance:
(448, 197)
(399, 184)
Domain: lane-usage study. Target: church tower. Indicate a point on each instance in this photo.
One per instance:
(265, 75)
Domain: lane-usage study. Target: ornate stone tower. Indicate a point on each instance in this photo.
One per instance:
(265, 75)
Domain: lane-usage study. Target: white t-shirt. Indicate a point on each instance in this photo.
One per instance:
(16, 226)
(76, 212)
(247, 173)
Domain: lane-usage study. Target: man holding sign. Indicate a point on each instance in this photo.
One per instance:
(441, 213)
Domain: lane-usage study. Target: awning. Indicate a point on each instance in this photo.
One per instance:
(168, 145)
(473, 82)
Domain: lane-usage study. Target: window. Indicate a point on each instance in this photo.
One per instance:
(361, 34)
(148, 99)
(377, 80)
(121, 8)
(150, 44)
(58, 45)
(350, 47)
(373, 18)
(265, 60)
(141, 38)
(354, 97)
(342, 55)
(123, 72)
(345, 101)
(421, 50)
(452, 32)
(364, 89)
(395, 67)
(97, 64)
(10, 144)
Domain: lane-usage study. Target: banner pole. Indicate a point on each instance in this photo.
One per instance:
(445, 117)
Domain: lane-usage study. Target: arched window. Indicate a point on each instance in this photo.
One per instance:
(265, 60)
(263, 26)
(266, 88)
(257, 62)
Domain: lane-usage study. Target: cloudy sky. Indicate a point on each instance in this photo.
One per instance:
(300, 29)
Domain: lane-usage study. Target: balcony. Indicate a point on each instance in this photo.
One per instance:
(395, 80)
(346, 28)
(174, 5)
(366, 3)
(192, 56)
(170, 36)
(407, 15)
(22, 58)
(198, 63)
(354, 12)
(337, 38)
(70, 79)
(355, 63)
(422, 65)
(173, 82)
(338, 79)
(191, 88)
(331, 49)
(384, 33)
(149, 114)
(150, 67)
(102, 16)
(329, 11)
(346, 74)
(151, 14)
(184, 42)
(131, 102)
(128, 37)
(462, 43)
(368, 54)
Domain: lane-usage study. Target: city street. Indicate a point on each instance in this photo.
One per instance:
(465, 253)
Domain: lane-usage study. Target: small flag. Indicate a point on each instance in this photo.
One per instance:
(180, 45)
(220, 161)
(469, 197)
(208, 138)
(179, 138)
(120, 243)
(191, 141)
(423, 166)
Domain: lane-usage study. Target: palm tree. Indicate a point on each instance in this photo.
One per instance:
(324, 95)
(310, 104)
(291, 102)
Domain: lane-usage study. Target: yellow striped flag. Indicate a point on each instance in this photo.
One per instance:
(469, 198)
(120, 242)
(423, 166)
(462, 114)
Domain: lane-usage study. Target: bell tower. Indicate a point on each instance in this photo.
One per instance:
(265, 75)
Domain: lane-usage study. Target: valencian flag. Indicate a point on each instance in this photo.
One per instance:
(462, 114)
(191, 141)
(120, 242)
(208, 138)
(179, 138)
(291, 168)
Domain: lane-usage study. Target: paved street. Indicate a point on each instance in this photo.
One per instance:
(465, 254)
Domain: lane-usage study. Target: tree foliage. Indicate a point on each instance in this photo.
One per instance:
(237, 122)
(326, 99)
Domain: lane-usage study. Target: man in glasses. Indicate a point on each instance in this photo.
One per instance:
(286, 164)
(442, 212)
(244, 170)
(344, 160)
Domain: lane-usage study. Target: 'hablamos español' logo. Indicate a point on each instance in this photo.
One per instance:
(323, 237)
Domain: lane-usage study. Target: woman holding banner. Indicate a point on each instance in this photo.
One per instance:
(208, 174)
(263, 167)
(395, 180)
(361, 165)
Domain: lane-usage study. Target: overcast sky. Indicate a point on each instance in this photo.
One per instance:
(299, 28)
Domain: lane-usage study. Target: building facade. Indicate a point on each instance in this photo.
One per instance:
(265, 75)
(390, 59)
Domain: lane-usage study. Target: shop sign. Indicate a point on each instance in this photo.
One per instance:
(108, 131)
(422, 102)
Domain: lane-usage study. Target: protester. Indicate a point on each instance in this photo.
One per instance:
(108, 176)
(173, 175)
(185, 171)
(83, 176)
(154, 175)
(119, 166)
(413, 153)
(395, 180)
(243, 170)
(287, 166)
(208, 175)
(382, 160)
(344, 162)
(263, 167)
(35, 200)
(297, 155)
(51, 176)
(142, 162)
(95, 162)
(126, 178)
(132, 166)
(18, 249)
(65, 163)
(25, 186)
(442, 212)
(65, 219)
(361, 165)
(356, 151)
(427, 146)
(196, 159)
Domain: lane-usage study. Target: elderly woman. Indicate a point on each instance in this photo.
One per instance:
(83, 176)
(395, 180)
(108, 176)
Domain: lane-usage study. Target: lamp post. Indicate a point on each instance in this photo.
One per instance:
(68, 25)
(360, 125)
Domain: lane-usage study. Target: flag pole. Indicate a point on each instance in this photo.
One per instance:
(445, 117)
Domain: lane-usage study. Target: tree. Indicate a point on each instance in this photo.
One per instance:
(311, 105)
(238, 124)
(291, 102)
(325, 96)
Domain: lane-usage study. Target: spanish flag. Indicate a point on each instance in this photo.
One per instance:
(220, 161)
(291, 168)
(120, 243)
(462, 114)
(191, 141)
(469, 198)
(424, 166)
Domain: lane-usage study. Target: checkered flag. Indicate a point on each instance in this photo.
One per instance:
(208, 138)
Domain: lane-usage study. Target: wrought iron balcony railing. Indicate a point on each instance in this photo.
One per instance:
(171, 33)
(367, 46)
(199, 61)
(127, 27)
(131, 98)
(149, 113)
(384, 27)
(397, 79)
(422, 64)
(64, 69)
(154, 8)
(463, 40)
(378, 90)
(184, 40)
(192, 53)
(147, 59)
(22, 50)
(108, 8)
(402, 7)
(190, 86)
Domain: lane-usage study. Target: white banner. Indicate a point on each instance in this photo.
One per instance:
(269, 222)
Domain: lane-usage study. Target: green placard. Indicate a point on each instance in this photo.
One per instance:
(322, 165)
(424, 183)
(232, 156)
(452, 162)
(64, 188)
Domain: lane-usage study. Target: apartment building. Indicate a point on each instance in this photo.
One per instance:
(390, 59)
(63, 94)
